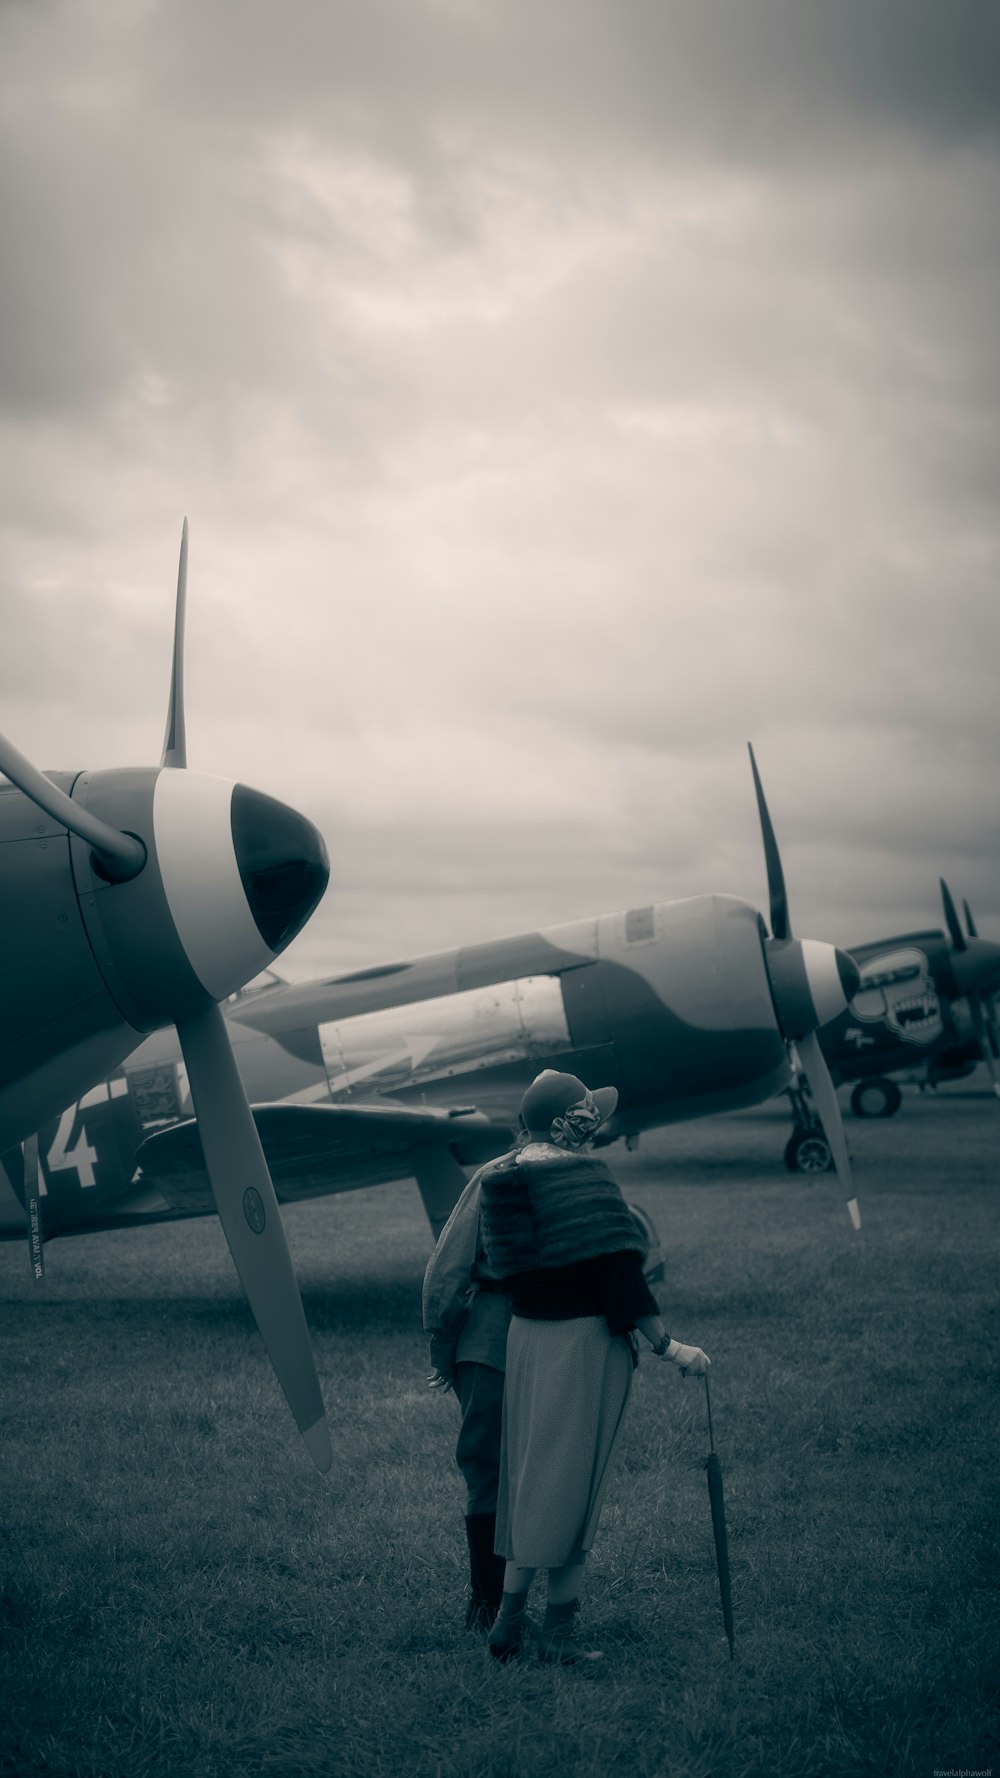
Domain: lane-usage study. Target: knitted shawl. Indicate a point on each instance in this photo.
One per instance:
(546, 1206)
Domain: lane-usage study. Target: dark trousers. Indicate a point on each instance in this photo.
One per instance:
(477, 1453)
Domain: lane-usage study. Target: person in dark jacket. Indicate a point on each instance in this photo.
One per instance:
(466, 1312)
(559, 1236)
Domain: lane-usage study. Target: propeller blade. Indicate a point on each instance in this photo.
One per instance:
(983, 1036)
(120, 855)
(780, 923)
(957, 935)
(175, 738)
(248, 1211)
(969, 921)
(825, 1100)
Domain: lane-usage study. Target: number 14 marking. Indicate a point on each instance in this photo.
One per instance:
(80, 1157)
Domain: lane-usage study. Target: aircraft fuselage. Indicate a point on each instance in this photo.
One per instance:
(670, 1003)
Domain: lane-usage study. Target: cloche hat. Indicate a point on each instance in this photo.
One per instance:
(551, 1094)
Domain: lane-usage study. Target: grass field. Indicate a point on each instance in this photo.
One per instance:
(181, 1593)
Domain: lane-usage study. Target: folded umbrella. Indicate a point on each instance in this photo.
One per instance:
(717, 1503)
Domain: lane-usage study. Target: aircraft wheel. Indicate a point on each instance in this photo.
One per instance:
(876, 1098)
(808, 1151)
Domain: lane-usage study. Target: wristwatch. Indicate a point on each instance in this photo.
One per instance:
(661, 1348)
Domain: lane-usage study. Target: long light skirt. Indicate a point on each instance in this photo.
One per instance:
(564, 1403)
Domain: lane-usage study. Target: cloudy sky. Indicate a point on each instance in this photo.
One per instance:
(560, 395)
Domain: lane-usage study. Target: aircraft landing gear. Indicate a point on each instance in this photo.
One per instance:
(876, 1097)
(808, 1151)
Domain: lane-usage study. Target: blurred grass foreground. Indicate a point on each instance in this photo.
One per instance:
(181, 1593)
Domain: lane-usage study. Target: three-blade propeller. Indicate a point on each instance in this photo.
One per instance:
(238, 875)
(234, 1160)
(975, 965)
(811, 983)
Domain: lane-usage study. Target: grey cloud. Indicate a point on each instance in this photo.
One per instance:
(28, 637)
(59, 347)
(137, 261)
(666, 418)
(399, 891)
(142, 218)
(740, 77)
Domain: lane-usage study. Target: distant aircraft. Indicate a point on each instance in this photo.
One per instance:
(923, 1010)
(131, 900)
(922, 998)
(416, 1069)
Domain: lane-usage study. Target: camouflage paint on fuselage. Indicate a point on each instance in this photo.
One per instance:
(670, 1003)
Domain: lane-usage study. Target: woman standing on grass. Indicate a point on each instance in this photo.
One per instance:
(558, 1232)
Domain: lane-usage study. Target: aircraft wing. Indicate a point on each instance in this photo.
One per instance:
(314, 1150)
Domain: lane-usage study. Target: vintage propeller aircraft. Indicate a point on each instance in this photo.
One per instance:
(416, 1069)
(135, 899)
(923, 1008)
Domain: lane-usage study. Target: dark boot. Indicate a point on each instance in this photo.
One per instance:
(506, 1639)
(485, 1571)
(556, 1642)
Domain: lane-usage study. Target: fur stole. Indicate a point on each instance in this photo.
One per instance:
(546, 1206)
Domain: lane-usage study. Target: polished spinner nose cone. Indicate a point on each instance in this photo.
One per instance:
(812, 983)
(282, 861)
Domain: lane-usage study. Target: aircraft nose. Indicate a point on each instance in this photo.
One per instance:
(282, 861)
(811, 983)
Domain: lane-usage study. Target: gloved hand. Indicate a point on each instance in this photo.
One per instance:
(437, 1380)
(688, 1358)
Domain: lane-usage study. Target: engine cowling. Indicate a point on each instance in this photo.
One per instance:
(231, 876)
